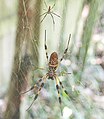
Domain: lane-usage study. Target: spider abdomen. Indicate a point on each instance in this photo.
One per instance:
(53, 62)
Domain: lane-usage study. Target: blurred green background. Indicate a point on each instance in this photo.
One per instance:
(22, 55)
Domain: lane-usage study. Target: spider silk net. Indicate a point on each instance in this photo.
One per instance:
(29, 64)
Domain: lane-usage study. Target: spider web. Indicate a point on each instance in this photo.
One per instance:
(82, 98)
(46, 106)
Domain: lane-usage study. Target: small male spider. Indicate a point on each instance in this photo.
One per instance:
(49, 11)
(53, 65)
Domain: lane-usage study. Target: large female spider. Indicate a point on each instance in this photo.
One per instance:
(51, 74)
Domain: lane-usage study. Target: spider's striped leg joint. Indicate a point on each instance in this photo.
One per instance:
(64, 54)
(41, 86)
(57, 87)
(45, 46)
(36, 96)
(38, 82)
(66, 48)
(63, 88)
(46, 51)
(32, 87)
(60, 100)
(66, 92)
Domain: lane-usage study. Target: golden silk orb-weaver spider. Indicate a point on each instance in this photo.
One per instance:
(50, 12)
(51, 74)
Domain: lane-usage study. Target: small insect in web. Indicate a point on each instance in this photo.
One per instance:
(53, 63)
(49, 12)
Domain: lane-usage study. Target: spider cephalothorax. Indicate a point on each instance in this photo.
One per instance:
(51, 74)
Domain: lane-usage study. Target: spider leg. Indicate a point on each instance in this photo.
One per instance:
(62, 86)
(52, 18)
(44, 17)
(41, 86)
(55, 14)
(45, 46)
(43, 14)
(52, 6)
(45, 4)
(44, 9)
(32, 87)
(36, 96)
(66, 49)
(59, 98)
(63, 73)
